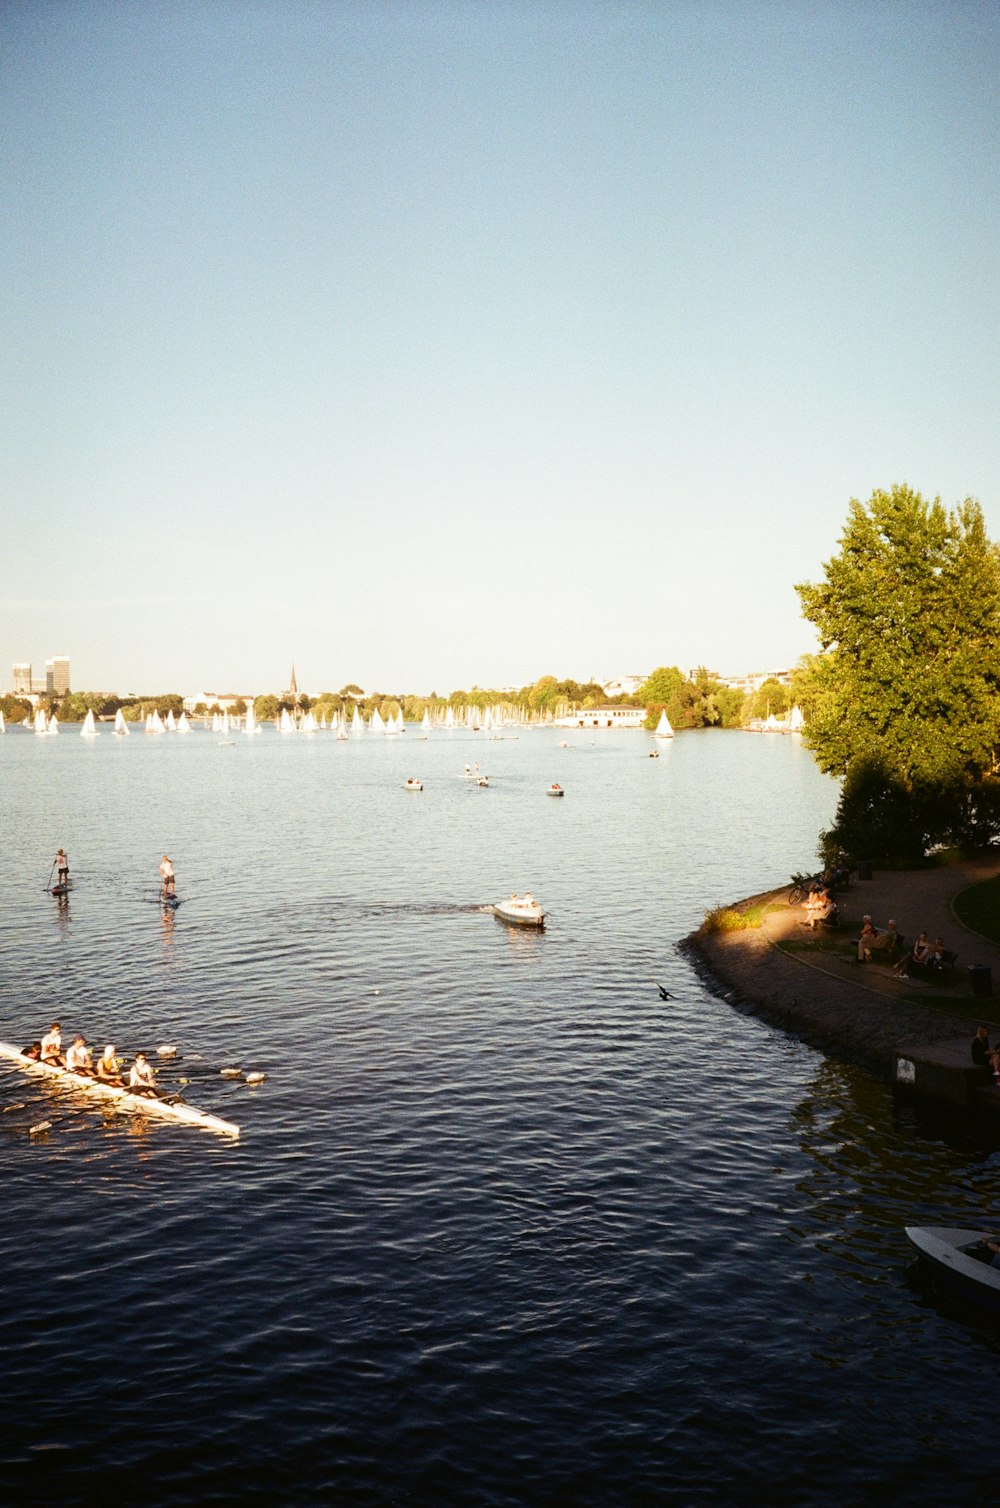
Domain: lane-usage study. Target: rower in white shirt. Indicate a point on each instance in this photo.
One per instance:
(78, 1057)
(142, 1076)
(52, 1045)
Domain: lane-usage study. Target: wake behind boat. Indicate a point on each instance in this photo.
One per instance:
(124, 1100)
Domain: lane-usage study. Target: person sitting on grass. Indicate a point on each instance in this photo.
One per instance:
(918, 957)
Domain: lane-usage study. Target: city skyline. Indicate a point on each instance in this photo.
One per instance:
(471, 344)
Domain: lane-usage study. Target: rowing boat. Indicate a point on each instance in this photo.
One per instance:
(124, 1101)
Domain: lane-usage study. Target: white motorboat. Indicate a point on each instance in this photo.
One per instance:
(123, 1099)
(520, 911)
(960, 1260)
(555, 789)
(413, 784)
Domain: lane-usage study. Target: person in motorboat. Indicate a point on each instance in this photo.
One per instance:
(167, 877)
(62, 868)
(52, 1045)
(78, 1057)
(109, 1068)
(142, 1075)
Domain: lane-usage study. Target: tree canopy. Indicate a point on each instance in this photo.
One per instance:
(906, 696)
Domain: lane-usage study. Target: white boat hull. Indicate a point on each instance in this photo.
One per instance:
(943, 1248)
(123, 1100)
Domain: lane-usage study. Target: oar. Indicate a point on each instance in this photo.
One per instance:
(48, 882)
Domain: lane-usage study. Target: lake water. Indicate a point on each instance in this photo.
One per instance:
(502, 1226)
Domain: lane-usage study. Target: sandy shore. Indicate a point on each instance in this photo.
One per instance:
(821, 996)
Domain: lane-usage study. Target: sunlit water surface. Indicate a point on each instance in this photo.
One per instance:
(502, 1226)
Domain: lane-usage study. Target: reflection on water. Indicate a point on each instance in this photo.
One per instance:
(503, 1225)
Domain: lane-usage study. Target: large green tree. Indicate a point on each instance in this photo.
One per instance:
(906, 696)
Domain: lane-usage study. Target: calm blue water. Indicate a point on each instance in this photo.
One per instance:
(502, 1227)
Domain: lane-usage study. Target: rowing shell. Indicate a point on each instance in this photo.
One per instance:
(124, 1100)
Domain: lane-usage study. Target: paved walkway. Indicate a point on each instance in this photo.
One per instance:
(861, 1014)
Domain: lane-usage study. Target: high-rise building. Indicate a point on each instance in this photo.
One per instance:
(21, 676)
(60, 674)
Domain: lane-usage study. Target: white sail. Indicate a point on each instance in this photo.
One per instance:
(357, 726)
(156, 722)
(426, 722)
(796, 722)
(121, 726)
(224, 730)
(216, 723)
(183, 726)
(53, 724)
(449, 718)
(286, 725)
(250, 726)
(378, 726)
(89, 729)
(171, 721)
(3, 725)
(663, 728)
(40, 721)
(309, 724)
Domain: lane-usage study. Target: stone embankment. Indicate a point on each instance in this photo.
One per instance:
(862, 1014)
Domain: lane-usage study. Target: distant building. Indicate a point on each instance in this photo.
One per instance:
(603, 717)
(21, 678)
(60, 674)
(625, 685)
(292, 694)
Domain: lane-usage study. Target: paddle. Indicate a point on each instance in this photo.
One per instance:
(48, 882)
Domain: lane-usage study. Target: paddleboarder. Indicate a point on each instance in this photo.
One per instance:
(167, 876)
(62, 868)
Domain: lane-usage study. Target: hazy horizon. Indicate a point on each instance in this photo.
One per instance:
(431, 343)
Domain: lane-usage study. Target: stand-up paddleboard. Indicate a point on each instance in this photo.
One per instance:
(170, 902)
(60, 889)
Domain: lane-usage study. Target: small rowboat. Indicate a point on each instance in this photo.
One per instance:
(520, 911)
(959, 1260)
(555, 790)
(413, 784)
(124, 1100)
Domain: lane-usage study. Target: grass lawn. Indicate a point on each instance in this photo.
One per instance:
(979, 908)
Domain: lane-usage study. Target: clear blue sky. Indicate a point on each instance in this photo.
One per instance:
(431, 344)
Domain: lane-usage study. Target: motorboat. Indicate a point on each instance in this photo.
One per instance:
(521, 911)
(413, 784)
(482, 780)
(960, 1260)
(555, 789)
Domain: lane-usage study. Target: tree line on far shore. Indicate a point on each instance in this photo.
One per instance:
(697, 701)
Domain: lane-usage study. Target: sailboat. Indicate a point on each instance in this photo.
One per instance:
(3, 725)
(216, 723)
(449, 718)
(286, 725)
(250, 726)
(121, 726)
(89, 729)
(357, 726)
(171, 723)
(53, 724)
(796, 722)
(155, 722)
(309, 723)
(183, 726)
(663, 728)
(40, 721)
(378, 726)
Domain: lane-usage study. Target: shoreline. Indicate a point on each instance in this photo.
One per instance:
(858, 1014)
